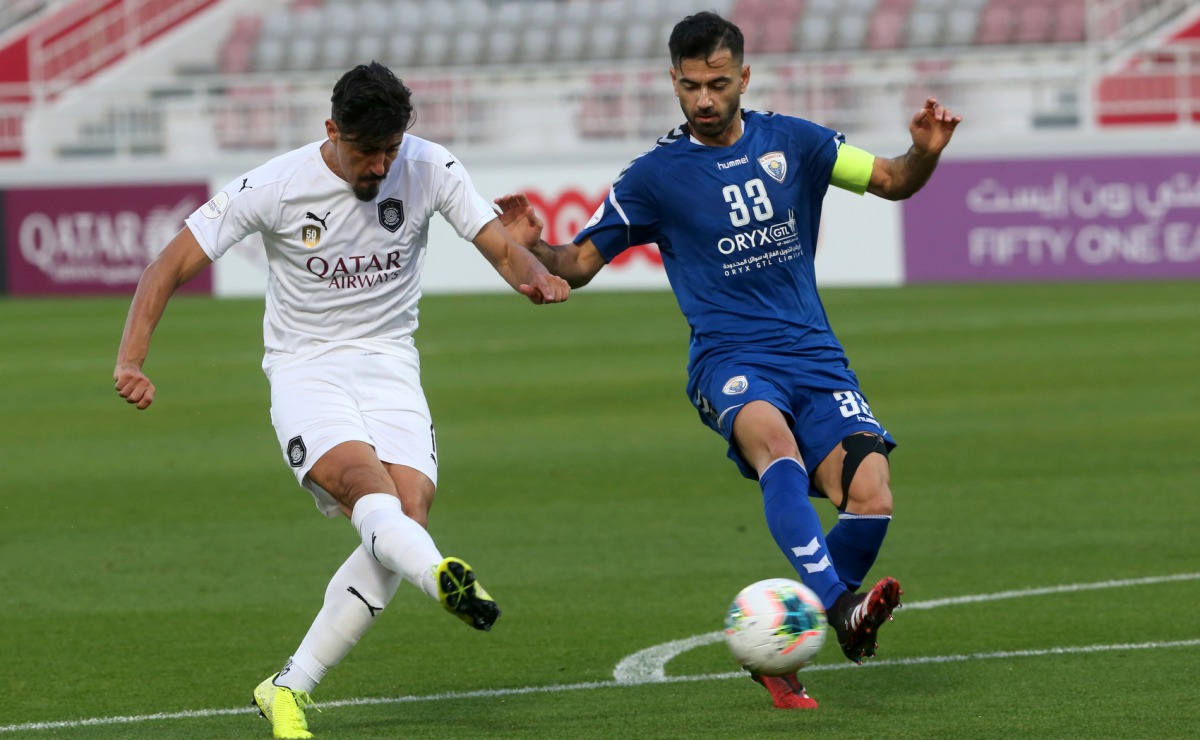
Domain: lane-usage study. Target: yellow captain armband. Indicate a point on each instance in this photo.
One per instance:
(852, 170)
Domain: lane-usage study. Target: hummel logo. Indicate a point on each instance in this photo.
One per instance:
(372, 609)
(318, 219)
(450, 164)
(244, 185)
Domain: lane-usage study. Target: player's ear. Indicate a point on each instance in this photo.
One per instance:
(331, 129)
(745, 78)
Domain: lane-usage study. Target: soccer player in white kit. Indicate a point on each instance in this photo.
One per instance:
(344, 222)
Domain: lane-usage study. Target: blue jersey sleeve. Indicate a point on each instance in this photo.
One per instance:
(629, 215)
(821, 145)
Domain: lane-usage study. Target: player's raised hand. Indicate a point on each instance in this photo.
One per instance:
(545, 288)
(933, 126)
(133, 386)
(519, 219)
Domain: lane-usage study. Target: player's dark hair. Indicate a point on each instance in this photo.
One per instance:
(701, 35)
(371, 105)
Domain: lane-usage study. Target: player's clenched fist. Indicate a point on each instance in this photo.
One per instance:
(133, 386)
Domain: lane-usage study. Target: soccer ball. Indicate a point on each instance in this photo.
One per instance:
(775, 627)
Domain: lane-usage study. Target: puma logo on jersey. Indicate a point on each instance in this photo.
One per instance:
(317, 218)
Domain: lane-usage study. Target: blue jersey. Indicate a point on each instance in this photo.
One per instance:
(737, 228)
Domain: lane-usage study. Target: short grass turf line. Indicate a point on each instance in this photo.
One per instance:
(495, 693)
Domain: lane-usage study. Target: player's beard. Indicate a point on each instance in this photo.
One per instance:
(713, 129)
(366, 192)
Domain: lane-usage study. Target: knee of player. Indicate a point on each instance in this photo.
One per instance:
(870, 498)
(782, 446)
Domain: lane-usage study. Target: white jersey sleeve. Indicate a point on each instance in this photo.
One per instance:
(459, 203)
(239, 210)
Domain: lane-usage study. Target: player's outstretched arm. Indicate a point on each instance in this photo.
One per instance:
(575, 263)
(901, 177)
(518, 266)
(181, 261)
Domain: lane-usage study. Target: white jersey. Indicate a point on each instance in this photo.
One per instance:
(342, 272)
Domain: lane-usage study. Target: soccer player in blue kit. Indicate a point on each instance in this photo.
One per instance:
(733, 200)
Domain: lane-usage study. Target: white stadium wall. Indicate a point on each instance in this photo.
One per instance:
(1083, 206)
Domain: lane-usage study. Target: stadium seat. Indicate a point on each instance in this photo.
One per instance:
(237, 53)
(476, 14)
(501, 46)
(270, 55)
(466, 46)
(403, 50)
(515, 16)
(962, 23)
(277, 25)
(886, 29)
(436, 47)
(307, 26)
(768, 25)
(404, 15)
(338, 18)
(997, 24)
(304, 46)
(851, 30)
(569, 43)
(536, 44)
(1033, 23)
(576, 14)
(336, 52)
(370, 47)
(371, 16)
(814, 32)
(644, 40)
(1070, 22)
(603, 41)
(644, 14)
(776, 38)
(438, 16)
(924, 27)
(613, 12)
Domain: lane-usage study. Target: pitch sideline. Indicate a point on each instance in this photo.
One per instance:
(648, 666)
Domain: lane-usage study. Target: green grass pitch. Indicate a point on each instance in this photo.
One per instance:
(157, 565)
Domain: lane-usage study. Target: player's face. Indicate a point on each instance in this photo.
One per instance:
(710, 93)
(362, 164)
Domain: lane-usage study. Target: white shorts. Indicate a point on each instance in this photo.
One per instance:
(352, 395)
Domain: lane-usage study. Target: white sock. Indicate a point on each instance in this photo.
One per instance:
(356, 595)
(399, 543)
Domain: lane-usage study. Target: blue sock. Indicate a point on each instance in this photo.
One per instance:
(854, 543)
(797, 529)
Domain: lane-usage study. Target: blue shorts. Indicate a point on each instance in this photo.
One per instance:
(820, 416)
